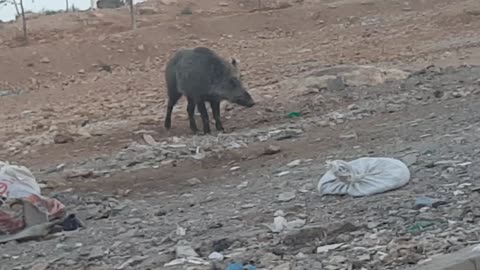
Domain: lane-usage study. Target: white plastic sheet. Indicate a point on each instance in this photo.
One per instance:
(363, 177)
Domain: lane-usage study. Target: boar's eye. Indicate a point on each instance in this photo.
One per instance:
(233, 82)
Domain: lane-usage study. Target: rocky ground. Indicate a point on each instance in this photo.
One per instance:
(90, 127)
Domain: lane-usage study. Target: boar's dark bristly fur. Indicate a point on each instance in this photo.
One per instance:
(203, 76)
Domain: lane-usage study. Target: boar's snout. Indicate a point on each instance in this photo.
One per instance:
(246, 100)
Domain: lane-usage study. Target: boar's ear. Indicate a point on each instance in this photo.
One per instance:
(234, 62)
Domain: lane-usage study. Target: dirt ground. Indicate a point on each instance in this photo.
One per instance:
(81, 99)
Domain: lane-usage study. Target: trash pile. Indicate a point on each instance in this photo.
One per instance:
(24, 213)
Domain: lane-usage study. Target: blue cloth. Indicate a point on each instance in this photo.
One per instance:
(239, 266)
(234, 266)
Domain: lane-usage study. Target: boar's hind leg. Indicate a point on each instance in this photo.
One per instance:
(203, 112)
(172, 100)
(215, 105)
(191, 115)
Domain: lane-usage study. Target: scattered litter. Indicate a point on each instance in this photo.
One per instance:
(280, 223)
(180, 231)
(234, 168)
(421, 202)
(419, 226)
(363, 177)
(294, 114)
(184, 250)
(71, 223)
(216, 256)
(199, 154)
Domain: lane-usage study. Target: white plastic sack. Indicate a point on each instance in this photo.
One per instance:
(364, 176)
(17, 181)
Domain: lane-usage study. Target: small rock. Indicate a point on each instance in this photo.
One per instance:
(392, 107)
(438, 93)
(352, 107)
(40, 266)
(141, 47)
(81, 71)
(286, 196)
(373, 224)
(294, 163)
(45, 60)
(244, 184)
(456, 94)
(338, 259)
(364, 257)
(62, 139)
(327, 248)
(268, 258)
(336, 84)
(473, 12)
(283, 173)
(272, 150)
(235, 168)
(349, 136)
(247, 205)
(300, 256)
(147, 10)
(194, 181)
(223, 4)
(283, 266)
(409, 160)
(133, 221)
(96, 253)
(323, 123)
(131, 262)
